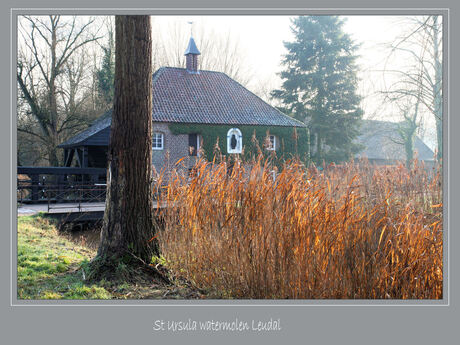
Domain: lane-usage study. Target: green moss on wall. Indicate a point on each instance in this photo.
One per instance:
(292, 141)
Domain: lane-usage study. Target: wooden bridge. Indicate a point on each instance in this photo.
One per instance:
(59, 184)
(69, 194)
(66, 212)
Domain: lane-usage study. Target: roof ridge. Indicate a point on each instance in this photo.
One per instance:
(200, 70)
(157, 74)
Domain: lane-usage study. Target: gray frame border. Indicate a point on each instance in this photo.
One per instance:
(310, 325)
(235, 11)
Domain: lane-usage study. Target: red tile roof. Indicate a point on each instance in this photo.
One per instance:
(206, 97)
(211, 98)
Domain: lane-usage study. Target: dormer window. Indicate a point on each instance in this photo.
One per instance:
(234, 141)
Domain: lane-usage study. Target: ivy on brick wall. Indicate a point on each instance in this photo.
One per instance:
(292, 141)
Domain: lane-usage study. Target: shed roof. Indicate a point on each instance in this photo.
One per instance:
(207, 97)
(89, 135)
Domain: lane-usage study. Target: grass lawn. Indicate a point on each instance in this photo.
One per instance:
(52, 266)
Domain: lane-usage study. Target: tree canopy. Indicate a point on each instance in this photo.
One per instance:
(320, 85)
(105, 75)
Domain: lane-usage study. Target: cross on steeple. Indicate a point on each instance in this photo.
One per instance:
(191, 28)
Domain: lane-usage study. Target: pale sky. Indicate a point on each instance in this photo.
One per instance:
(261, 37)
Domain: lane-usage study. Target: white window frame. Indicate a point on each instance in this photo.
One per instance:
(198, 145)
(271, 147)
(239, 140)
(154, 139)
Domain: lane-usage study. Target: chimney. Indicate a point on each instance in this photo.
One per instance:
(191, 56)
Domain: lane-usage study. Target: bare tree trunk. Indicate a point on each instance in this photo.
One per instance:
(128, 219)
(319, 147)
(53, 158)
(409, 139)
(437, 92)
(423, 45)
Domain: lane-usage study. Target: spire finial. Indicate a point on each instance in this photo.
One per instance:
(191, 28)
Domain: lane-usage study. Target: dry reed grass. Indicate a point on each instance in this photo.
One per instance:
(355, 231)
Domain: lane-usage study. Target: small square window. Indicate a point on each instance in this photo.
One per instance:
(194, 144)
(157, 141)
(271, 143)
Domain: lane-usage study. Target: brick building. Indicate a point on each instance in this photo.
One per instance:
(192, 111)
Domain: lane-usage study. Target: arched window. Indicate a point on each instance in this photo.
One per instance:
(234, 141)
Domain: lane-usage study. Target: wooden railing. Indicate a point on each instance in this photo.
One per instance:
(56, 184)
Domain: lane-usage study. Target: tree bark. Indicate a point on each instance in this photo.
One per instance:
(128, 220)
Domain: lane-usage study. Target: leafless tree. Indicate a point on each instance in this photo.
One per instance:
(421, 78)
(408, 127)
(50, 70)
(220, 53)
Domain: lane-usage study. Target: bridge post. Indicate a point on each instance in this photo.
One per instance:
(35, 180)
(60, 183)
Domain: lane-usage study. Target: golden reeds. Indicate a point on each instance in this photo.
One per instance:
(354, 231)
